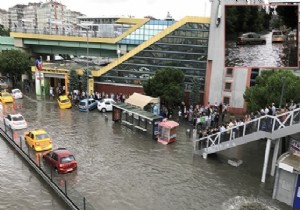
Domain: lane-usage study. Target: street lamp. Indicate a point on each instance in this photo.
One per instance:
(87, 55)
(87, 42)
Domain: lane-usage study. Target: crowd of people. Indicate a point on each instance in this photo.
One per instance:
(212, 119)
(76, 95)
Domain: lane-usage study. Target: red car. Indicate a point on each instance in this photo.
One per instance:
(61, 160)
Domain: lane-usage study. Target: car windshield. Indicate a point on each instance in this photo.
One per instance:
(42, 136)
(65, 101)
(67, 159)
(277, 33)
(16, 91)
(82, 103)
(5, 94)
(17, 118)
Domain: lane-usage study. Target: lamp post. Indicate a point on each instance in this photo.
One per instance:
(283, 79)
(87, 55)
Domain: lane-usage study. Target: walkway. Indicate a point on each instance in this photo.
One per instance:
(271, 127)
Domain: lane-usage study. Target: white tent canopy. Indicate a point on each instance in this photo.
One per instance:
(140, 100)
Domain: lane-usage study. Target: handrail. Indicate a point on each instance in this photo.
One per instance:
(265, 126)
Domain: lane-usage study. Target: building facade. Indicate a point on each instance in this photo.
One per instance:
(184, 47)
(4, 18)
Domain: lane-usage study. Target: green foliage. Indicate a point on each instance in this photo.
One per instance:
(3, 31)
(73, 80)
(241, 19)
(195, 94)
(289, 15)
(15, 63)
(167, 84)
(84, 80)
(268, 89)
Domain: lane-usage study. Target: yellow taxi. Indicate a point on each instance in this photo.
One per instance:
(38, 140)
(5, 97)
(64, 102)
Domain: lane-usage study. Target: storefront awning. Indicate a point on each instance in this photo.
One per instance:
(139, 100)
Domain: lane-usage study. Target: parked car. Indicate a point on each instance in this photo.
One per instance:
(64, 102)
(38, 140)
(87, 104)
(5, 97)
(145, 76)
(16, 93)
(131, 76)
(250, 38)
(15, 121)
(105, 104)
(61, 159)
(278, 36)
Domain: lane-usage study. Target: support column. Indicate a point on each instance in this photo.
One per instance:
(275, 156)
(267, 152)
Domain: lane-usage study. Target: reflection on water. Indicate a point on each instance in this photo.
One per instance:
(267, 55)
(122, 169)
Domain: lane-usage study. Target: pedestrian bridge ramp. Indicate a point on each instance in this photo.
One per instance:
(270, 127)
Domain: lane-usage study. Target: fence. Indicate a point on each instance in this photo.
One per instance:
(268, 124)
(58, 182)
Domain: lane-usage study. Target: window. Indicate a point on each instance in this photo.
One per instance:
(227, 86)
(226, 100)
(229, 72)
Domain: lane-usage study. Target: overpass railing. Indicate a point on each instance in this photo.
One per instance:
(66, 32)
(235, 135)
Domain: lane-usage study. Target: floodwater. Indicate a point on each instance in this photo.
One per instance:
(265, 55)
(122, 169)
(20, 187)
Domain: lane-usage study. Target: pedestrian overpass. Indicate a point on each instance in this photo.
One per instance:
(267, 127)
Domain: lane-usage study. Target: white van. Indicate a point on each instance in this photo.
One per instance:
(277, 36)
(105, 104)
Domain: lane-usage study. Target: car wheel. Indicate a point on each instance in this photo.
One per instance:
(103, 110)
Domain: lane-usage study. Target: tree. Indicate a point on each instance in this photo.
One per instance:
(73, 80)
(269, 87)
(84, 80)
(289, 15)
(241, 19)
(167, 84)
(3, 31)
(195, 94)
(15, 63)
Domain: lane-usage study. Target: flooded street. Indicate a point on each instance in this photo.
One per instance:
(122, 169)
(21, 187)
(261, 55)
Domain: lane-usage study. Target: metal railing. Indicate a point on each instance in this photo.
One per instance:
(266, 126)
(58, 182)
(73, 32)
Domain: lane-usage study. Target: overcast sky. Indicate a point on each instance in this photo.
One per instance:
(138, 8)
